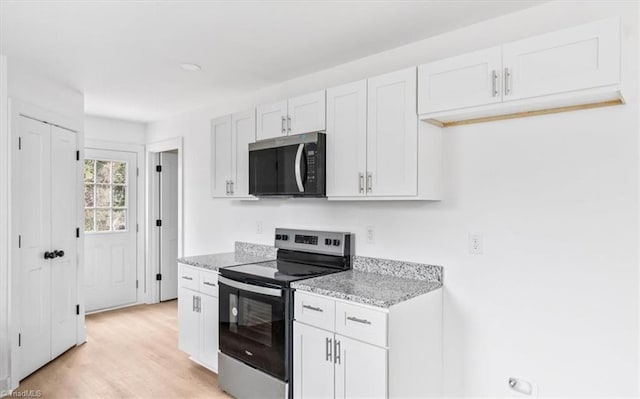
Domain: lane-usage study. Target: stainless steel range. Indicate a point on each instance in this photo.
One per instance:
(256, 311)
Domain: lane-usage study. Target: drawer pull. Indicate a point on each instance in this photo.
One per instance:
(315, 309)
(209, 284)
(187, 278)
(357, 320)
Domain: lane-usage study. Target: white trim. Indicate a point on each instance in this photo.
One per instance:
(17, 109)
(151, 210)
(5, 192)
(139, 150)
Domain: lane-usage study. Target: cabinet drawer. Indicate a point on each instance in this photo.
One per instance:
(188, 278)
(209, 283)
(361, 323)
(314, 310)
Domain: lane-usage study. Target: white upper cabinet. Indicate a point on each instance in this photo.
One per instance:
(347, 140)
(392, 135)
(307, 113)
(582, 57)
(230, 138)
(464, 81)
(271, 120)
(548, 73)
(297, 115)
(221, 145)
(243, 132)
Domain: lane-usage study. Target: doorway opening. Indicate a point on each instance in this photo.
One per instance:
(164, 184)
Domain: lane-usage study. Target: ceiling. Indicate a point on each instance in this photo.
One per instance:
(124, 55)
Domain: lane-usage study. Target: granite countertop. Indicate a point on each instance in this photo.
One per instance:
(217, 261)
(245, 253)
(376, 282)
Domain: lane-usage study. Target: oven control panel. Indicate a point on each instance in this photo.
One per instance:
(334, 243)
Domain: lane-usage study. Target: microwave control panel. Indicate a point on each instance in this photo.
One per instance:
(311, 152)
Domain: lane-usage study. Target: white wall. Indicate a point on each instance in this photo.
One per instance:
(554, 298)
(114, 130)
(4, 228)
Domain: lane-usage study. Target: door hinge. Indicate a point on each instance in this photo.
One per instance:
(158, 168)
(19, 143)
(19, 241)
(77, 155)
(159, 223)
(77, 309)
(19, 339)
(159, 277)
(77, 232)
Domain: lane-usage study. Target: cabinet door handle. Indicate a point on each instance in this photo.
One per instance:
(283, 126)
(187, 278)
(199, 304)
(227, 187)
(369, 182)
(209, 284)
(315, 309)
(494, 83)
(357, 320)
(288, 124)
(193, 300)
(328, 347)
(337, 352)
(507, 82)
(231, 185)
(361, 182)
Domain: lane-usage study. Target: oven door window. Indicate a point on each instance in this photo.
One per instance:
(252, 328)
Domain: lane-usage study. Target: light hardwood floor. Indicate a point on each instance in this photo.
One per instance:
(130, 353)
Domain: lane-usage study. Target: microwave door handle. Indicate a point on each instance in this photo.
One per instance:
(297, 168)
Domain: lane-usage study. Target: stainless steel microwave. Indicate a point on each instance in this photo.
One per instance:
(288, 166)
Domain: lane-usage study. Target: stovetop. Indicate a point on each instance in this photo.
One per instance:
(279, 272)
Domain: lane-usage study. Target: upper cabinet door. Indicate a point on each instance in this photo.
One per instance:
(243, 132)
(347, 140)
(221, 150)
(307, 113)
(458, 82)
(271, 120)
(392, 135)
(582, 57)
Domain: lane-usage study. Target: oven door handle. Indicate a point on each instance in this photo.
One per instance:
(249, 287)
(297, 168)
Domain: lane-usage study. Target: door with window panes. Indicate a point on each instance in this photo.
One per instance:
(110, 225)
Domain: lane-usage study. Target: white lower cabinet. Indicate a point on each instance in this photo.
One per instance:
(343, 349)
(198, 315)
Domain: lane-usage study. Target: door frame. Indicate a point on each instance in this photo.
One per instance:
(17, 109)
(152, 237)
(139, 150)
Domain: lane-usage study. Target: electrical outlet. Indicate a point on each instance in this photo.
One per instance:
(475, 244)
(370, 235)
(259, 227)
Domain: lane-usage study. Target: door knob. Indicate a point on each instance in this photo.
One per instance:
(49, 255)
(58, 253)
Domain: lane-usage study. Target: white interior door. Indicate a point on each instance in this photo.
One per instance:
(64, 267)
(32, 199)
(169, 227)
(110, 229)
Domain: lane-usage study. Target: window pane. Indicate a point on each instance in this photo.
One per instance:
(119, 172)
(89, 218)
(89, 196)
(103, 220)
(103, 171)
(119, 219)
(89, 170)
(103, 195)
(119, 198)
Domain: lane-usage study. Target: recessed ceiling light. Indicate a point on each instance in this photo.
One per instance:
(190, 67)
